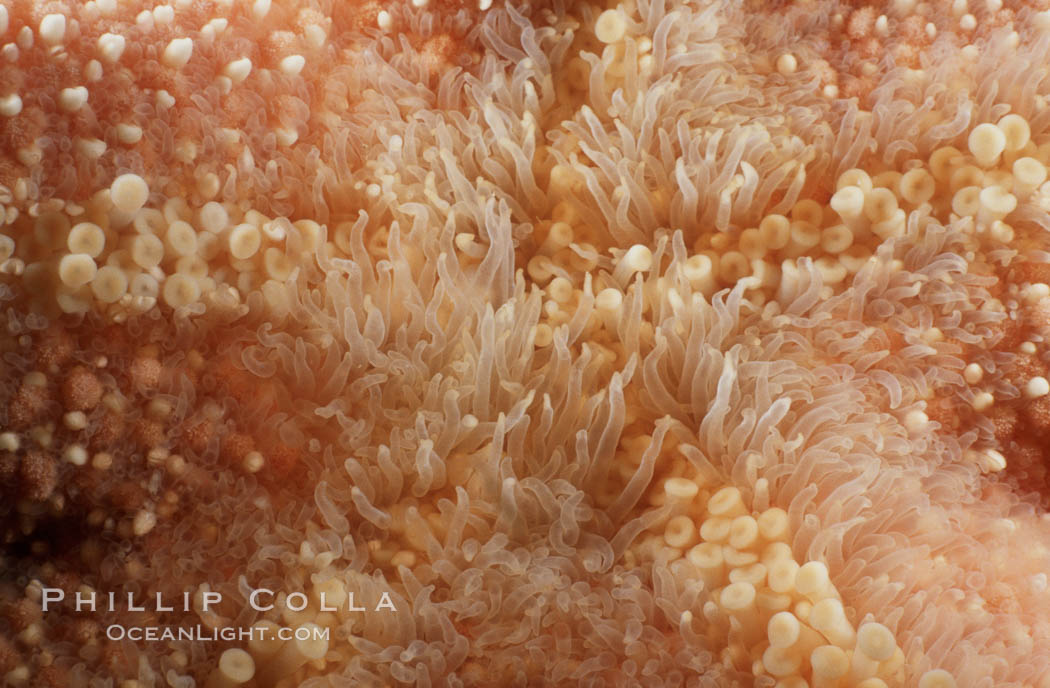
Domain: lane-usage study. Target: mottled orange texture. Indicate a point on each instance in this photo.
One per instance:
(1037, 413)
(53, 348)
(435, 412)
(116, 659)
(282, 461)
(9, 463)
(21, 613)
(27, 406)
(52, 677)
(127, 496)
(148, 433)
(948, 412)
(1030, 467)
(81, 389)
(39, 474)
(83, 631)
(145, 371)
(1023, 368)
(108, 430)
(1005, 421)
(9, 655)
(860, 23)
(235, 446)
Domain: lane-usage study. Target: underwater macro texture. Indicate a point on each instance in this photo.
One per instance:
(525, 343)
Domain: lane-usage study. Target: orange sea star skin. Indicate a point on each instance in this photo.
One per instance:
(657, 343)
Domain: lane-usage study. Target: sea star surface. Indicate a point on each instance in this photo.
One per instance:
(542, 343)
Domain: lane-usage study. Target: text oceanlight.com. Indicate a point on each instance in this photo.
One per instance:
(204, 633)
